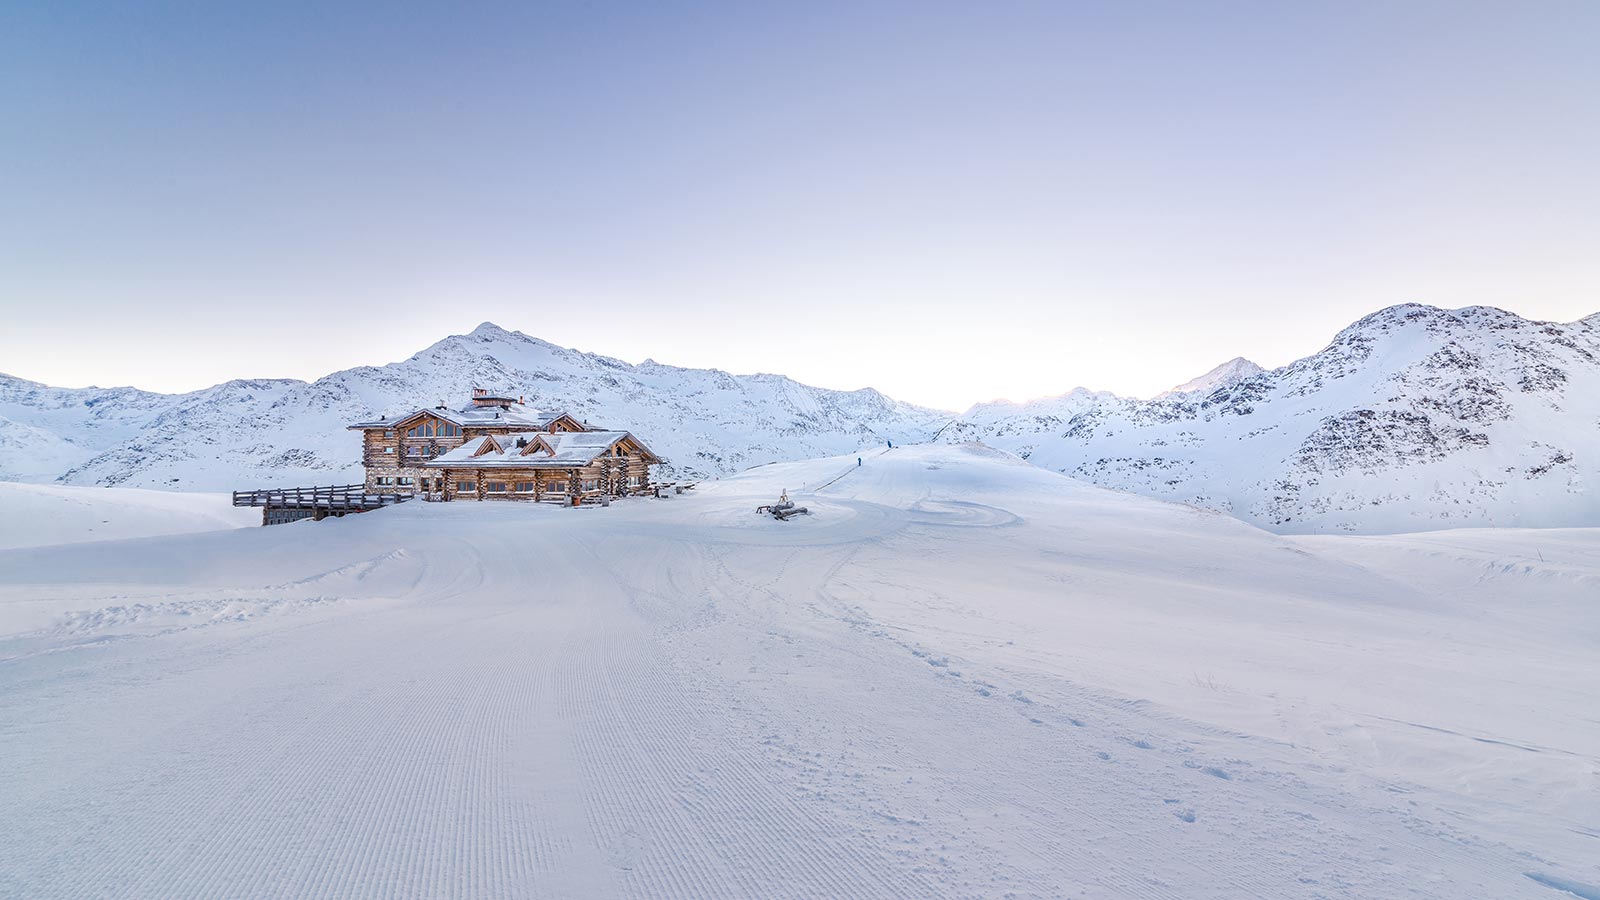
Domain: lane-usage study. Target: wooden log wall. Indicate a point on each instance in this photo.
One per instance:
(392, 457)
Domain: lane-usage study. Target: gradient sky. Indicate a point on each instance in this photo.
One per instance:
(949, 202)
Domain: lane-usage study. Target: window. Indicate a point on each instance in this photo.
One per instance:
(388, 432)
(556, 487)
(495, 487)
(388, 449)
(524, 487)
(413, 451)
(590, 484)
(430, 429)
(407, 482)
(633, 481)
(385, 481)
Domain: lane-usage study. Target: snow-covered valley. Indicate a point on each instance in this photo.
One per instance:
(961, 676)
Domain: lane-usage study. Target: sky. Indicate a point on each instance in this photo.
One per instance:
(950, 202)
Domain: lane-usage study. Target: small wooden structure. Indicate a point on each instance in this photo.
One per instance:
(280, 506)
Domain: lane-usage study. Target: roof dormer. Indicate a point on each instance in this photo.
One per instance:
(536, 444)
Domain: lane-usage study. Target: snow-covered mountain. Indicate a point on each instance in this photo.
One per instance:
(1001, 423)
(283, 431)
(1414, 417)
(1229, 373)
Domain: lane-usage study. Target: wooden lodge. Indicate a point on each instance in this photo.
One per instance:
(497, 448)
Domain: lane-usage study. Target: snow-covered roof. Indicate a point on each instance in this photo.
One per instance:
(509, 415)
(584, 445)
(380, 423)
(567, 449)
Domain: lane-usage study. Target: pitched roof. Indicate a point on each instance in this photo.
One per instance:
(567, 449)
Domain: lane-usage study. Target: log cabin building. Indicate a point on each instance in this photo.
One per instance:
(497, 448)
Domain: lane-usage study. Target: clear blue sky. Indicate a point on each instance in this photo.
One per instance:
(949, 202)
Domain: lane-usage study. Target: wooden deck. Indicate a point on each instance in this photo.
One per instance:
(283, 505)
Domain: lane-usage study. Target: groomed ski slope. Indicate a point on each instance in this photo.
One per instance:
(963, 676)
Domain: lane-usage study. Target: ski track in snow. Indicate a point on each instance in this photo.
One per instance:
(914, 692)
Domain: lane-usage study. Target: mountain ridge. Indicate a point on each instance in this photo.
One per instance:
(705, 421)
(1413, 417)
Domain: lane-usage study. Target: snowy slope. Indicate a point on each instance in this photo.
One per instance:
(46, 431)
(963, 676)
(1414, 418)
(245, 433)
(29, 453)
(38, 515)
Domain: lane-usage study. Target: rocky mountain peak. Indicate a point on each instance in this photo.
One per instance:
(1230, 372)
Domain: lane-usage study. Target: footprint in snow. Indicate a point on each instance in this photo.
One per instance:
(1213, 771)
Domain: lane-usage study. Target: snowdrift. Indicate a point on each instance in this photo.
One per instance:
(38, 515)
